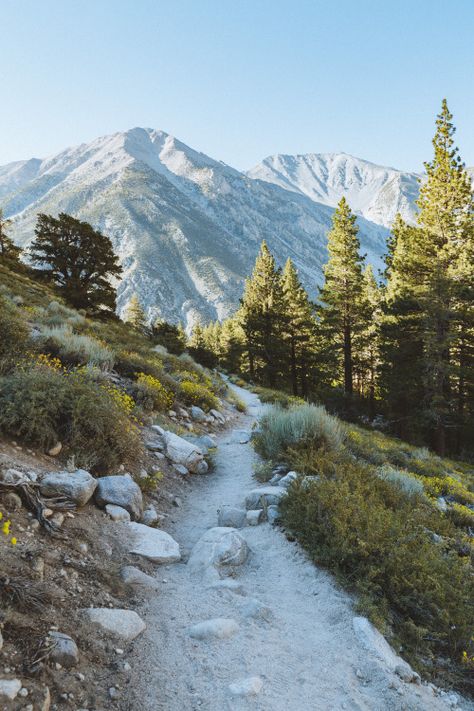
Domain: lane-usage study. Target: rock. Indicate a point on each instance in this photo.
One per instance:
(116, 513)
(122, 491)
(65, 650)
(133, 576)
(9, 688)
(254, 517)
(157, 428)
(180, 451)
(251, 686)
(309, 481)
(154, 445)
(441, 504)
(57, 519)
(257, 610)
(198, 414)
(218, 548)
(229, 584)
(171, 413)
(264, 496)
(204, 443)
(153, 544)
(78, 486)
(217, 416)
(276, 478)
(287, 480)
(150, 516)
(159, 455)
(376, 644)
(124, 624)
(231, 517)
(54, 451)
(12, 501)
(218, 628)
(181, 469)
(183, 413)
(407, 674)
(273, 514)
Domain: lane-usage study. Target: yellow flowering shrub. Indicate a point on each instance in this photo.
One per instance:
(151, 394)
(196, 394)
(6, 529)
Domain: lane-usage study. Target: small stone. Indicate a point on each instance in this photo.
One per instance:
(54, 451)
(23, 692)
(114, 693)
(65, 651)
(231, 517)
(254, 517)
(218, 628)
(150, 516)
(125, 624)
(257, 610)
(250, 686)
(12, 502)
(181, 469)
(273, 514)
(9, 688)
(127, 667)
(117, 513)
(133, 576)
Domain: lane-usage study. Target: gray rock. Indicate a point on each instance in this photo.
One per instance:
(287, 480)
(218, 628)
(198, 414)
(154, 444)
(273, 514)
(9, 689)
(251, 686)
(275, 479)
(65, 650)
(122, 624)
(181, 469)
(229, 584)
(12, 476)
(133, 576)
(254, 517)
(256, 610)
(78, 486)
(407, 674)
(441, 504)
(122, 491)
(217, 416)
(180, 451)
(376, 644)
(117, 513)
(219, 548)
(158, 429)
(150, 516)
(231, 517)
(264, 496)
(153, 544)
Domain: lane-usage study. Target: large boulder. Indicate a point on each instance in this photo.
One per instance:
(264, 496)
(123, 624)
(120, 490)
(153, 544)
(180, 451)
(77, 486)
(220, 548)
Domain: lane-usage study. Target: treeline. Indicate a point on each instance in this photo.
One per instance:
(401, 346)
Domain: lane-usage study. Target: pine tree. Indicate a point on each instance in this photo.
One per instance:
(78, 259)
(340, 311)
(446, 221)
(135, 315)
(200, 347)
(9, 251)
(367, 342)
(232, 345)
(299, 329)
(170, 336)
(261, 316)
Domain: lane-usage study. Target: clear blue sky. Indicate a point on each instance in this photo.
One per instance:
(238, 79)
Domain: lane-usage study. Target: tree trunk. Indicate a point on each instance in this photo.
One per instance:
(348, 386)
(294, 376)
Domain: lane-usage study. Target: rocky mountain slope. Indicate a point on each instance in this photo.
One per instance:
(187, 228)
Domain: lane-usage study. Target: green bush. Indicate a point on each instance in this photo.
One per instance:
(196, 394)
(43, 404)
(275, 397)
(308, 427)
(378, 541)
(410, 485)
(76, 349)
(14, 335)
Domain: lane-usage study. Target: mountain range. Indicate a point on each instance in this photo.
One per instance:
(187, 227)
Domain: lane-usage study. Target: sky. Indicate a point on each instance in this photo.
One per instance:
(238, 79)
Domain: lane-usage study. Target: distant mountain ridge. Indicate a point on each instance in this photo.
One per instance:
(187, 228)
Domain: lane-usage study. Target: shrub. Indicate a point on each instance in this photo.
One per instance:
(197, 394)
(372, 535)
(129, 363)
(75, 349)
(151, 394)
(461, 516)
(410, 485)
(14, 335)
(275, 397)
(44, 403)
(308, 426)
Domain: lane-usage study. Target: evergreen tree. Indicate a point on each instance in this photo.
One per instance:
(299, 329)
(262, 315)
(200, 348)
(78, 259)
(341, 310)
(9, 251)
(232, 345)
(169, 335)
(135, 315)
(367, 343)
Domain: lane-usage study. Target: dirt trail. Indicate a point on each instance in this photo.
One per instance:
(306, 654)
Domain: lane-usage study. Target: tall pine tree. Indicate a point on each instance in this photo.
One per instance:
(341, 310)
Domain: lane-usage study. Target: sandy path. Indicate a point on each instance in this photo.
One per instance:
(307, 654)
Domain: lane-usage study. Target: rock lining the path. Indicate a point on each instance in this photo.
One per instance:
(124, 624)
(231, 517)
(266, 495)
(153, 544)
(219, 548)
(218, 628)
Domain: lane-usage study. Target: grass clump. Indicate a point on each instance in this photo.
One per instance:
(44, 403)
(76, 349)
(309, 427)
(401, 479)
